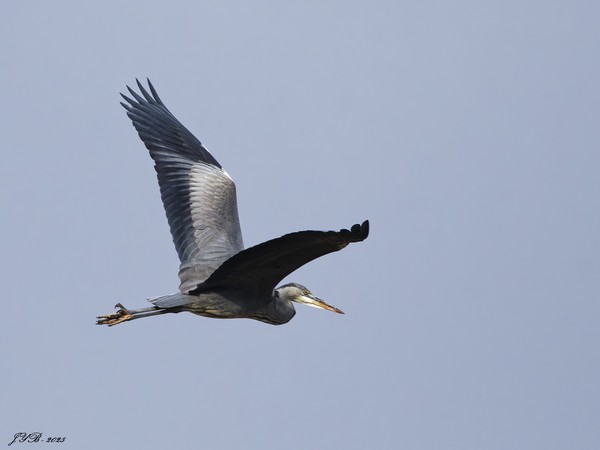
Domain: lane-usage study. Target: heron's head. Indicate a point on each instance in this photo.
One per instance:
(297, 293)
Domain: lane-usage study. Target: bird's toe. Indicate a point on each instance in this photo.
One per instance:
(121, 315)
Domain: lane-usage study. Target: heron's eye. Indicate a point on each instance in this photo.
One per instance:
(305, 292)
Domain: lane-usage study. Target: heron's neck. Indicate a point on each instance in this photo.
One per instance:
(278, 310)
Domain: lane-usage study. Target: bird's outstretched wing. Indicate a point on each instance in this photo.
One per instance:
(198, 195)
(260, 268)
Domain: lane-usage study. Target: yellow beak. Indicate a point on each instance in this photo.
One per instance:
(316, 302)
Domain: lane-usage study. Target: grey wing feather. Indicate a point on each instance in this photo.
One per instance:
(198, 195)
(258, 269)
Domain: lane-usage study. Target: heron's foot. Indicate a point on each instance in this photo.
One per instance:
(122, 315)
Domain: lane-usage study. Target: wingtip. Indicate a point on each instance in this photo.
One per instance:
(150, 97)
(140, 86)
(154, 93)
(364, 228)
(360, 231)
(127, 99)
(131, 91)
(126, 106)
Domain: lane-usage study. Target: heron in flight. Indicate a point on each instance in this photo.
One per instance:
(219, 278)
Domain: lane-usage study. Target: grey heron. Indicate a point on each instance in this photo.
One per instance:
(219, 278)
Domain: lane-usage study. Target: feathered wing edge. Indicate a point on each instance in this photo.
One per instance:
(198, 196)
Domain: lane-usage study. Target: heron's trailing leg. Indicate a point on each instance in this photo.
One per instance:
(124, 314)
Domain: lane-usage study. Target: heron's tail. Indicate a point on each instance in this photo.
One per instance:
(172, 300)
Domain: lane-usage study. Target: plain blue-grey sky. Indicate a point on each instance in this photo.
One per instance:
(467, 132)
